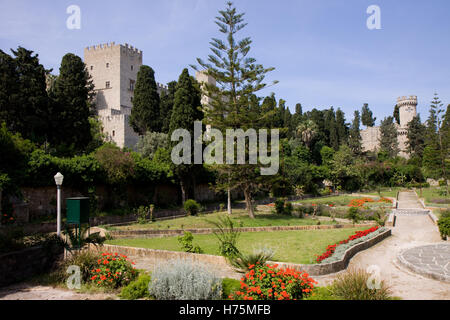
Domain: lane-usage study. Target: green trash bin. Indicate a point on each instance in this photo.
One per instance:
(77, 210)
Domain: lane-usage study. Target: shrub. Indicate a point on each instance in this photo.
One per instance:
(444, 227)
(265, 282)
(227, 235)
(191, 207)
(229, 286)
(353, 214)
(184, 280)
(288, 208)
(353, 285)
(144, 213)
(137, 289)
(186, 243)
(259, 256)
(279, 206)
(113, 270)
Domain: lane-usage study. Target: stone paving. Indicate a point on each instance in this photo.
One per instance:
(431, 261)
(408, 200)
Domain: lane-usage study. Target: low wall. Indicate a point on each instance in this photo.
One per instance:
(149, 233)
(156, 256)
(20, 265)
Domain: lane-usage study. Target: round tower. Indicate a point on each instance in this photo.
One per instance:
(407, 109)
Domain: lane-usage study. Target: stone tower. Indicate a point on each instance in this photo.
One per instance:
(408, 109)
(114, 70)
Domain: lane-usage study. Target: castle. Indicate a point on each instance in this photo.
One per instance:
(114, 69)
(407, 111)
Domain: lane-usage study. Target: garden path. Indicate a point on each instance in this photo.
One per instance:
(410, 231)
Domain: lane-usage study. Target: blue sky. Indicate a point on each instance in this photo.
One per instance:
(322, 50)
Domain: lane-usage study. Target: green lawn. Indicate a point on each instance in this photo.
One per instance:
(434, 198)
(385, 192)
(290, 246)
(336, 200)
(239, 217)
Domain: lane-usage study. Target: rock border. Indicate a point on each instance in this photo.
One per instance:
(220, 262)
(153, 233)
(426, 273)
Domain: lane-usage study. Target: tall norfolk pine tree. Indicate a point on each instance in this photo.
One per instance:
(238, 77)
(145, 114)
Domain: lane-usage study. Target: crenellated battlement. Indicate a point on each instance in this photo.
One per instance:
(407, 100)
(112, 45)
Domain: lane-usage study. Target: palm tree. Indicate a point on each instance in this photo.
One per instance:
(307, 130)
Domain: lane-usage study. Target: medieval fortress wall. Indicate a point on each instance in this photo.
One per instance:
(407, 110)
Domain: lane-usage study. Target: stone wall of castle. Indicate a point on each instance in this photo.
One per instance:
(407, 111)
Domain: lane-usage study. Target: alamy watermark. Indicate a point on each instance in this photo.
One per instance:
(256, 150)
(374, 20)
(374, 281)
(73, 22)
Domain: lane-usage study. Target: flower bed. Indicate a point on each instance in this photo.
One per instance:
(113, 270)
(358, 203)
(266, 282)
(331, 249)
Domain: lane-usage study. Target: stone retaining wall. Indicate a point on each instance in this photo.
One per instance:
(156, 256)
(130, 234)
(20, 265)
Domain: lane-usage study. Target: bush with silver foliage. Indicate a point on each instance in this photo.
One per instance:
(184, 280)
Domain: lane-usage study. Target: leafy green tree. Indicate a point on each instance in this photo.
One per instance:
(149, 143)
(71, 101)
(145, 114)
(388, 137)
(186, 110)
(167, 100)
(238, 77)
(416, 137)
(367, 118)
(24, 103)
(354, 139)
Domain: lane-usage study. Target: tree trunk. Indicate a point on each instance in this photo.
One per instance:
(229, 201)
(248, 203)
(183, 191)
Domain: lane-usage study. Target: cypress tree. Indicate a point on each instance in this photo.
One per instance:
(167, 100)
(341, 127)
(367, 118)
(388, 137)
(71, 95)
(396, 114)
(185, 112)
(24, 103)
(145, 114)
(416, 137)
(354, 140)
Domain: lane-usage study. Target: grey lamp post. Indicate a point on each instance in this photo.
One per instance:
(58, 180)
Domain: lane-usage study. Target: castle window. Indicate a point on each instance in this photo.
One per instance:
(132, 82)
(92, 67)
(107, 64)
(113, 133)
(108, 85)
(131, 68)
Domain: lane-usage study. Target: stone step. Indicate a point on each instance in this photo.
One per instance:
(410, 212)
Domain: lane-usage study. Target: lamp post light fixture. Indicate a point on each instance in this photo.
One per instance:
(58, 180)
